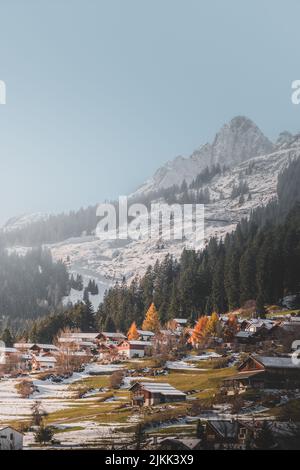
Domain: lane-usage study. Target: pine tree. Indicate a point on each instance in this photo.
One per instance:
(133, 332)
(109, 325)
(151, 322)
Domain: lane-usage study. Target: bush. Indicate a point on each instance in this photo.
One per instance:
(116, 379)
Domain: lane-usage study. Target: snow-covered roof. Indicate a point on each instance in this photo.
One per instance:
(23, 345)
(162, 388)
(45, 359)
(8, 350)
(46, 346)
(145, 333)
(139, 343)
(80, 335)
(113, 335)
(277, 362)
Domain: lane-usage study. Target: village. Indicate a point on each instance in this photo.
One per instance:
(218, 382)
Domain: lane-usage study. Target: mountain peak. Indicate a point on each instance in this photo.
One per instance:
(237, 141)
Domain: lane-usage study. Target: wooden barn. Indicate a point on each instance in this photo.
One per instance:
(263, 371)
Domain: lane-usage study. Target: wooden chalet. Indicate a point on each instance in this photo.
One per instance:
(262, 371)
(150, 393)
(228, 434)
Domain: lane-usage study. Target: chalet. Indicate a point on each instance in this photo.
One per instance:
(111, 338)
(43, 362)
(10, 439)
(178, 444)
(262, 371)
(149, 393)
(36, 348)
(145, 335)
(133, 348)
(80, 338)
(227, 434)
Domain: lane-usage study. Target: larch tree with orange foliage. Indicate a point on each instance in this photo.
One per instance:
(213, 325)
(199, 332)
(133, 333)
(151, 322)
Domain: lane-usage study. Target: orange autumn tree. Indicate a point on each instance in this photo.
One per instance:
(151, 322)
(133, 332)
(199, 332)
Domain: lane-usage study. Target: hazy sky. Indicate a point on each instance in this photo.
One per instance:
(102, 92)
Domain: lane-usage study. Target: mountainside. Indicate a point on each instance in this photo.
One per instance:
(109, 261)
(237, 141)
(248, 179)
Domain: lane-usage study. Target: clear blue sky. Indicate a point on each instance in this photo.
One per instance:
(102, 92)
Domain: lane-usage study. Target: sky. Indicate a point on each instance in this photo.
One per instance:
(100, 93)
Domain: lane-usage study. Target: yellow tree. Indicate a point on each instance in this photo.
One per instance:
(133, 332)
(199, 332)
(151, 322)
(213, 325)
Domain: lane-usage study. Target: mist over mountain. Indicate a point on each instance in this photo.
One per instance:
(233, 176)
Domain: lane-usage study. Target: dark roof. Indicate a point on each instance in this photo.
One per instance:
(225, 429)
(244, 375)
(277, 362)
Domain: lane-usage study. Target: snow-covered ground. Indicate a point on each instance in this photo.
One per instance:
(53, 396)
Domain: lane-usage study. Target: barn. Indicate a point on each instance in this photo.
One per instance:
(149, 393)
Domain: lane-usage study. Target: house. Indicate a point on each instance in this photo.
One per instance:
(43, 362)
(263, 371)
(79, 338)
(10, 439)
(150, 393)
(145, 335)
(228, 434)
(243, 381)
(7, 352)
(133, 348)
(178, 444)
(111, 338)
(36, 347)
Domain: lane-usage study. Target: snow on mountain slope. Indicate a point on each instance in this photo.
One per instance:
(109, 261)
(249, 157)
(16, 223)
(236, 142)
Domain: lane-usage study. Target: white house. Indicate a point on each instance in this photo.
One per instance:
(10, 439)
(133, 348)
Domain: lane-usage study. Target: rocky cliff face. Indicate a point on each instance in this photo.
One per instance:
(237, 141)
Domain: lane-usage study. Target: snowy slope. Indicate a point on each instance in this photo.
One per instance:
(249, 156)
(110, 261)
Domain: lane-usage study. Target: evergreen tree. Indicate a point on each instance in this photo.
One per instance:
(7, 338)
(151, 322)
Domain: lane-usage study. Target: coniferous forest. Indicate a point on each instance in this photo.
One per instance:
(259, 261)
